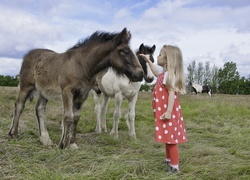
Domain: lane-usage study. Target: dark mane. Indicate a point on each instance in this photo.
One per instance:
(98, 37)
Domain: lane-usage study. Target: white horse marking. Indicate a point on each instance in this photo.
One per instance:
(120, 87)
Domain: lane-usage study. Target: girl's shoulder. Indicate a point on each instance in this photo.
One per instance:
(165, 74)
(162, 74)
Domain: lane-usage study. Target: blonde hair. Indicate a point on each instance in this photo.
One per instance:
(174, 62)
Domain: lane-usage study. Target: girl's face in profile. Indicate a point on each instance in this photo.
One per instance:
(161, 59)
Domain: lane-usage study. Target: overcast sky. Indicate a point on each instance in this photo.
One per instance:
(217, 31)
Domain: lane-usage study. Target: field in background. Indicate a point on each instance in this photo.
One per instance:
(218, 130)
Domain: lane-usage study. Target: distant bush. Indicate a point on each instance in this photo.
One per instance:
(9, 80)
(147, 87)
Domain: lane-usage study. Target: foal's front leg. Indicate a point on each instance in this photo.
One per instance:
(117, 115)
(131, 117)
(104, 113)
(97, 99)
(40, 110)
(77, 113)
(77, 104)
(68, 120)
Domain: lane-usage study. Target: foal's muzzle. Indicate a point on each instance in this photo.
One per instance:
(138, 76)
(149, 79)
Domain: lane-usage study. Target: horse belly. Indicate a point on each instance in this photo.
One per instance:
(50, 91)
(131, 90)
(47, 86)
(46, 77)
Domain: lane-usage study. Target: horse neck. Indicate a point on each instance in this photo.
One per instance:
(115, 83)
(95, 60)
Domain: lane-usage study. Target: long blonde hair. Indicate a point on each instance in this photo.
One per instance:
(174, 62)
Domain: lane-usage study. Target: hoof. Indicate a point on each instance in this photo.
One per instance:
(12, 136)
(116, 136)
(132, 136)
(48, 144)
(98, 131)
(45, 140)
(73, 146)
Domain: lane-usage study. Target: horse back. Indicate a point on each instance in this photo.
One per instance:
(41, 69)
(31, 58)
(26, 75)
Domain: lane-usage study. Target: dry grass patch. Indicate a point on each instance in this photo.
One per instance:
(218, 148)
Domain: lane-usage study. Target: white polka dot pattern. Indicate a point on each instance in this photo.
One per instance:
(171, 131)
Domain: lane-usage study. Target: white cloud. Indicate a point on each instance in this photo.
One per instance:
(21, 31)
(122, 13)
(9, 66)
(197, 30)
(205, 30)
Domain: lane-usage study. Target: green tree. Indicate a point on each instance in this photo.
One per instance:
(248, 78)
(199, 73)
(228, 78)
(8, 80)
(244, 86)
(145, 87)
(207, 74)
(215, 80)
(191, 72)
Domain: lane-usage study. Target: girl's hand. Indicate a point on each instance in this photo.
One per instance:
(166, 116)
(145, 57)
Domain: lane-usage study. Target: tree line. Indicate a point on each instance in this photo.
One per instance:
(9, 80)
(225, 80)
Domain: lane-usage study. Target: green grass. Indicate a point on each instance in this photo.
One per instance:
(218, 146)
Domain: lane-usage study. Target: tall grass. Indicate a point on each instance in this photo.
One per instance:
(218, 146)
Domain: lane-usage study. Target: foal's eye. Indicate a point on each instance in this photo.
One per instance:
(124, 52)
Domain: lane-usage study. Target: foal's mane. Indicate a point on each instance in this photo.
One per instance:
(96, 37)
(145, 46)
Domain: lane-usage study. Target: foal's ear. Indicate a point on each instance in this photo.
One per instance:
(123, 37)
(141, 48)
(152, 49)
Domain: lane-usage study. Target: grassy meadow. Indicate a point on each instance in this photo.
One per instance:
(218, 147)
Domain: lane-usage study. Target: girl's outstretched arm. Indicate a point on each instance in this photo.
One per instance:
(151, 65)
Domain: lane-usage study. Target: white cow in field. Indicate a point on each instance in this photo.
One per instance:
(201, 89)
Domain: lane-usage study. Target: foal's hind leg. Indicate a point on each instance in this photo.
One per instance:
(67, 97)
(24, 93)
(40, 110)
(101, 112)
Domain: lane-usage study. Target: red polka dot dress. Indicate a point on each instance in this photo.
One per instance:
(167, 131)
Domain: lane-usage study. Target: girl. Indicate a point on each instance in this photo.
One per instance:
(169, 125)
